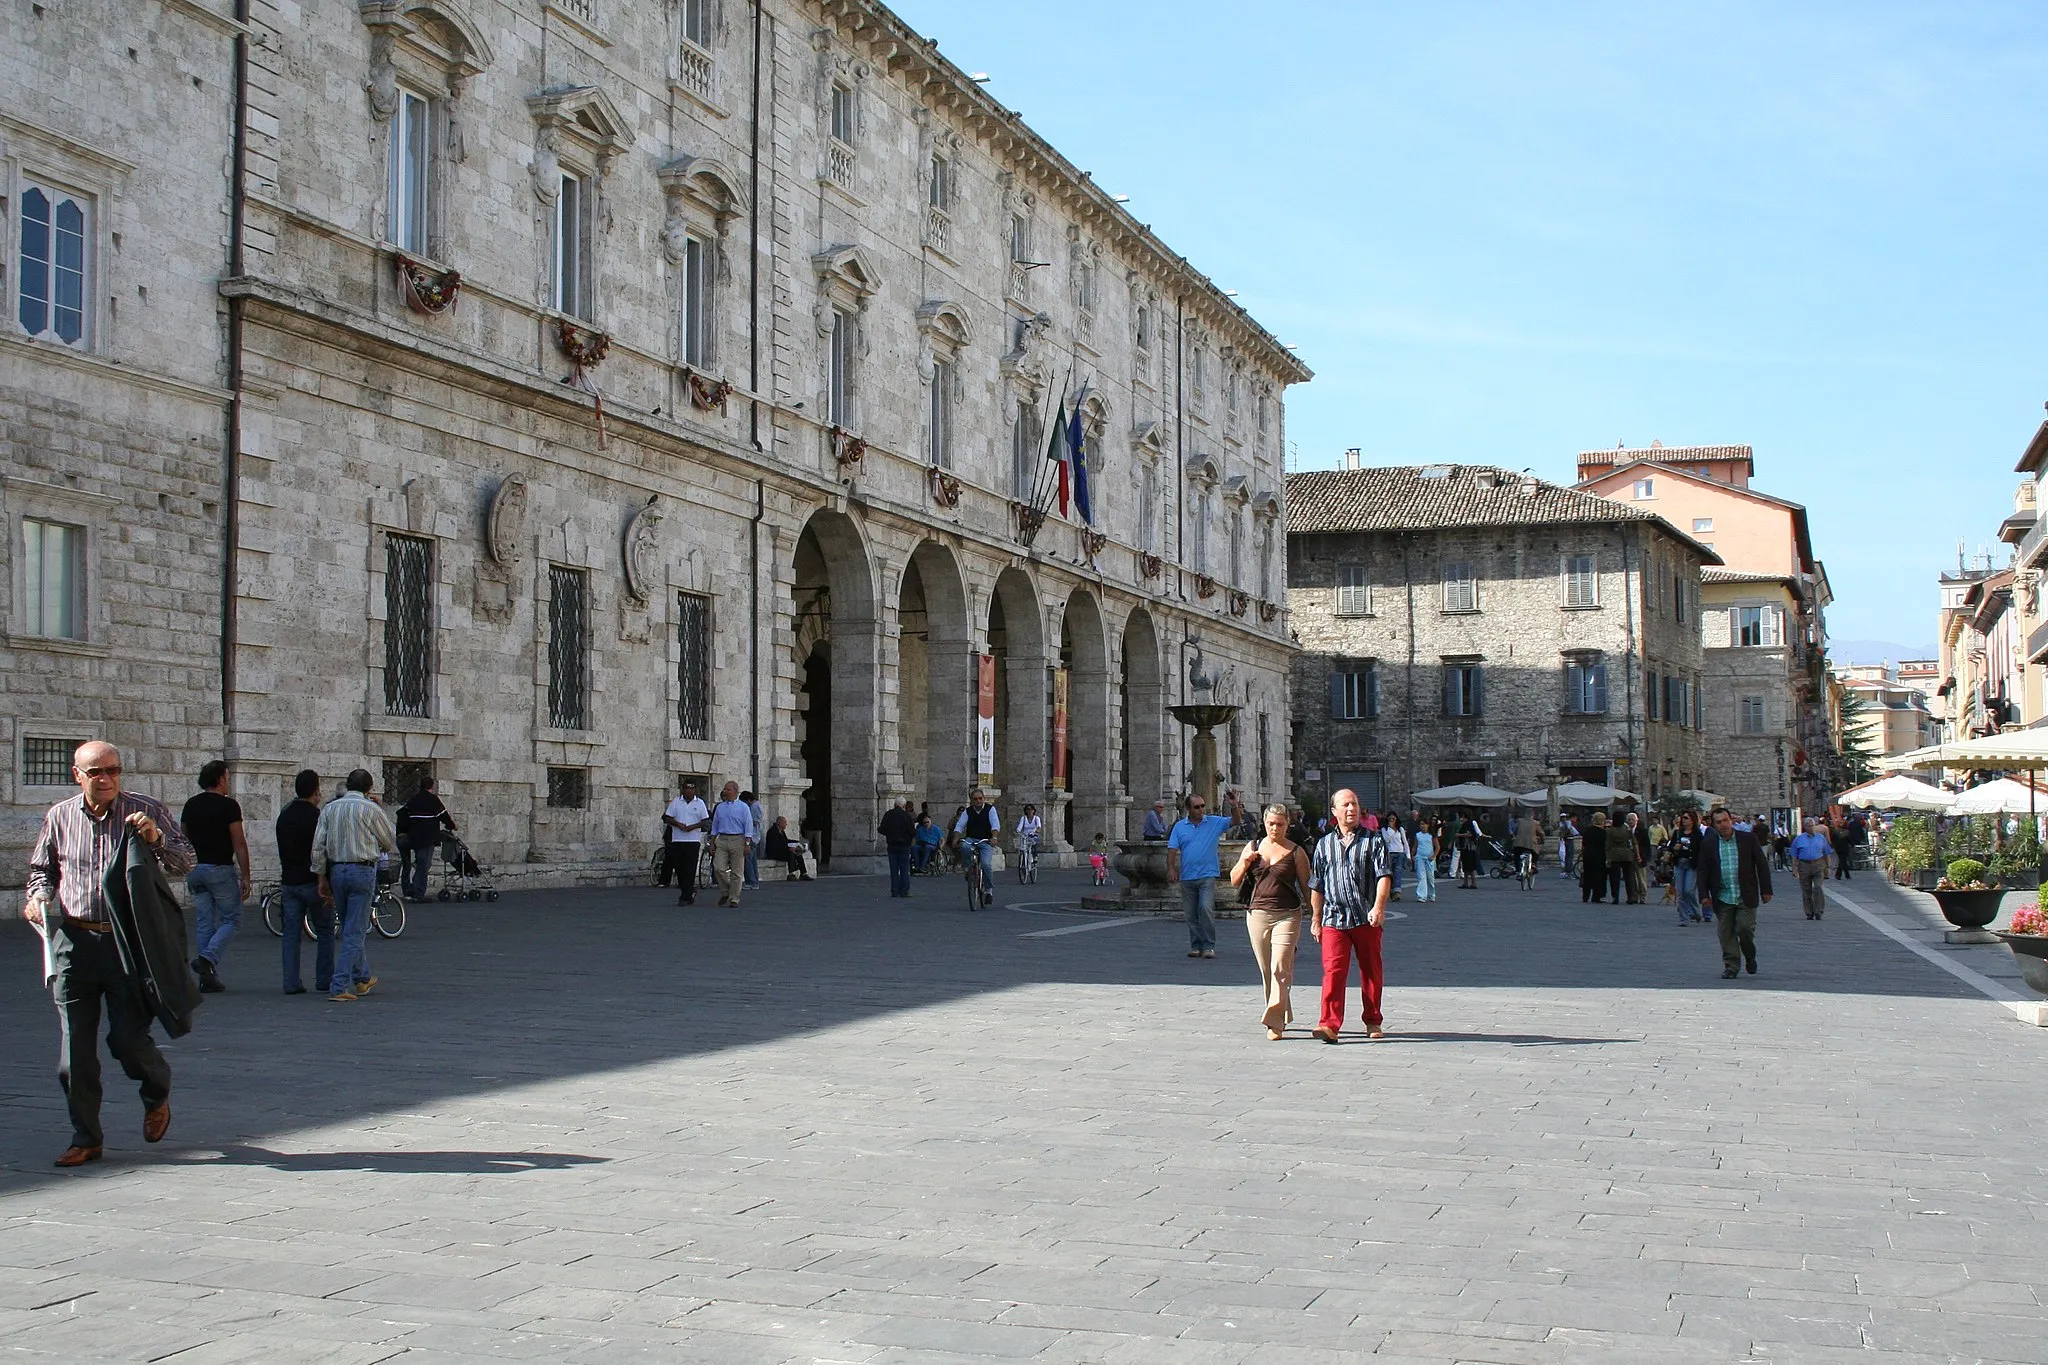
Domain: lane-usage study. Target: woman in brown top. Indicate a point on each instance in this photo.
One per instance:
(1278, 872)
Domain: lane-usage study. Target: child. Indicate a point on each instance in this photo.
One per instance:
(1098, 858)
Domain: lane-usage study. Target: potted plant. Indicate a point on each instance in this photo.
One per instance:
(2018, 865)
(1967, 900)
(2027, 936)
(1909, 850)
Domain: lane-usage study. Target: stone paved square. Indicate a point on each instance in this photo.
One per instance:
(832, 1127)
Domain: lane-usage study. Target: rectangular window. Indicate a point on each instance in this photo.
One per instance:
(55, 230)
(1646, 488)
(1461, 590)
(1236, 746)
(1652, 703)
(940, 194)
(568, 788)
(1752, 717)
(942, 414)
(693, 666)
(571, 255)
(1757, 627)
(1354, 591)
(1148, 510)
(1703, 526)
(1020, 237)
(403, 778)
(1355, 690)
(568, 648)
(47, 762)
(408, 626)
(53, 579)
(843, 124)
(406, 174)
(1236, 549)
(697, 22)
(1678, 599)
(1024, 452)
(1585, 686)
(1581, 582)
(839, 364)
(1265, 772)
(1464, 689)
(697, 261)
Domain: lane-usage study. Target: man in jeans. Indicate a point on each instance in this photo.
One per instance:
(350, 835)
(1810, 853)
(1735, 878)
(1191, 861)
(219, 883)
(898, 831)
(299, 887)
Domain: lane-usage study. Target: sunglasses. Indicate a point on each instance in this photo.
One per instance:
(101, 772)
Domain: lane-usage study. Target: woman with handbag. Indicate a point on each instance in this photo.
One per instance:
(1275, 871)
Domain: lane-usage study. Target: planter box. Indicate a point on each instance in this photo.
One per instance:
(2030, 951)
(1969, 912)
(1926, 879)
(2022, 881)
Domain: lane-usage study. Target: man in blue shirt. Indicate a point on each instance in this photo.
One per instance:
(1810, 852)
(1350, 879)
(732, 836)
(1191, 861)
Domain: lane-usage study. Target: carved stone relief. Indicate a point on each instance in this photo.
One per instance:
(505, 524)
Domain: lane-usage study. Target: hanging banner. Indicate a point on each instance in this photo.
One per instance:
(985, 719)
(1059, 729)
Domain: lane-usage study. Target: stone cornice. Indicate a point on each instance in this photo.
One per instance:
(85, 362)
(903, 53)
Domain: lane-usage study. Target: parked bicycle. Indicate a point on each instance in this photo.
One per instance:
(387, 911)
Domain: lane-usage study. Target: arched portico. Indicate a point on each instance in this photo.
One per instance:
(1142, 694)
(1016, 637)
(935, 680)
(835, 658)
(1084, 653)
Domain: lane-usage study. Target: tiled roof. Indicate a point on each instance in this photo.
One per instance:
(1741, 576)
(1436, 497)
(1669, 455)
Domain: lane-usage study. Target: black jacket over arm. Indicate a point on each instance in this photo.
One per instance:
(1753, 867)
(151, 934)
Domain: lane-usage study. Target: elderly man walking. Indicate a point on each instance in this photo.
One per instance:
(732, 835)
(1191, 860)
(1810, 851)
(1350, 879)
(351, 833)
(1735, 878)
(65, 898)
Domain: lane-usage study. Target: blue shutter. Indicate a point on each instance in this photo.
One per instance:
(1450, 690)
(1372, 690)
(1597, 675)
(1478, 689)
(1336, 694)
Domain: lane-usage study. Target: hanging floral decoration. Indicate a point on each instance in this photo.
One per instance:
(1269, 611)
(945, 487)
(1150, 566)
(847, 448)
(1205, 586)
(1239, 602)
(428, 290)
(586, 348)
(705, 392)
(1092, 541)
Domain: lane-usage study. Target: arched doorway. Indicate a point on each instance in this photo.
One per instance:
(1084, 653)
(1016, 637)
(835, 634)
(935, 680)
(1142, 694)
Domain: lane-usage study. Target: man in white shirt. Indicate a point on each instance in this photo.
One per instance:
(685, 821)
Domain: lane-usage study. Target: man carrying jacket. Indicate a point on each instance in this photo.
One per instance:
(1735, 878)
(65, 898)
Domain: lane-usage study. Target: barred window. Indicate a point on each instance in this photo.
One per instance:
(1581, 582)
(408, 625)
(568, 788)
(403, 778)
(693, 665)
(47, 762)
(568, 648)
(1265, 772)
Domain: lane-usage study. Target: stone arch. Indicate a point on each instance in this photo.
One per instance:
(834, 660)
(935, 679)
(1142, 695)
(1084, 653)
(1016, 637)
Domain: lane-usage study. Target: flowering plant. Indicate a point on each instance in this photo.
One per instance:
(1964, 874)
(2028, 919)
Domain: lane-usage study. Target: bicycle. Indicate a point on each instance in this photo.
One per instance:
(387, 913)
(273, 913)
(978, 893)
(1027, 860)
(1525, 868)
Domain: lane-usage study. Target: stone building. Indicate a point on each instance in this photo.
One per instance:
(1895, 719)
(1772, 731)
(1467, 623)
(562, 396)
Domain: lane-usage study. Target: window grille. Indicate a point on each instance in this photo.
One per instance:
(570, 263)
(1464, 690)
(1236, 753)
(568, 648)
(568, 788)
(408, 623)
(693, 665)
(403, 778)
(1355, 690)
(1585, 686)
(1265, 773)
(46, 762)
(53, 580)
(1354, 591)
(1461, 590)
(696, 302)
(1581, 583)
(406, 168)
(52, 238)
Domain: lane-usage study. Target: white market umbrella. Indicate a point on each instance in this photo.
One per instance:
(2003, 797)
(2014, 749)
(1703, 800)
(1463, 794)
(1897, 792)
(1577, 794)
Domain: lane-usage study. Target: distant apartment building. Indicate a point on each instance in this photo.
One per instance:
(1982, 670)
(1468, 623)
(1768, 722)
(1894, 718)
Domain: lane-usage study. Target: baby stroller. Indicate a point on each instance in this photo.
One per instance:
(1501, 859)
(463, 878)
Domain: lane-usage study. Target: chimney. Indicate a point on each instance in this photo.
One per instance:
(1351, 458)
(1528, 484)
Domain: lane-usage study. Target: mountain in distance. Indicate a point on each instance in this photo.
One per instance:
(1877, 651)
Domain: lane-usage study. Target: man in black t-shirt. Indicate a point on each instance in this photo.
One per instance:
(299, 887)
(420, 821)
(219, 882)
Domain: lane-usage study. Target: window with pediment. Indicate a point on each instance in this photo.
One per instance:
(579, 134)
(943, 337)
(423, 54)
(703, 198)
(847, 279)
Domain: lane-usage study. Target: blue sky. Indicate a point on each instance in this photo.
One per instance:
(1509, 232)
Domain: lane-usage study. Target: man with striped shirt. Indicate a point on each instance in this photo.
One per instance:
(1350, 879)
(64, 897)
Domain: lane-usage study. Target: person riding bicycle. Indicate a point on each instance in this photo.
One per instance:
(1029, 830)
(976, 829)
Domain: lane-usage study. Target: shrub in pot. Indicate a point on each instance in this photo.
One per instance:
(2027, 936)
(1966, 900)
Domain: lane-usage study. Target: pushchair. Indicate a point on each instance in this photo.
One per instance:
(463, 878)
(1500, 859)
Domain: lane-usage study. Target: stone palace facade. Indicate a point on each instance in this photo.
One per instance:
(563, 396)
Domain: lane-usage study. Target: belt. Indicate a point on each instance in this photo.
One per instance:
(97, 926)
(355, 862)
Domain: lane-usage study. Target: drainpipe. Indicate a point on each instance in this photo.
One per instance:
(231, 490)
(1628, 593)
(754, 629)
(754, 268)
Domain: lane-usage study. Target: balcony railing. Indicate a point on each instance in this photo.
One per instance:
(2034, 545)
(2037, 643)
(839, 164)
(938, 229)
(696, 70)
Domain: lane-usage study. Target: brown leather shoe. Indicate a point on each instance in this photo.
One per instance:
(1375, 1032)
(78, 1156)
(1328, 1035)
(156, 1122)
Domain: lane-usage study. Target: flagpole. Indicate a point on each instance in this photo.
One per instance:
(1041, 488)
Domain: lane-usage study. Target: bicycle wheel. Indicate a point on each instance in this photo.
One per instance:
(387, 914)
(973, 879)
(273, 913)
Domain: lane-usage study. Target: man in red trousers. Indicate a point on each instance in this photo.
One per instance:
(1349, 882)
